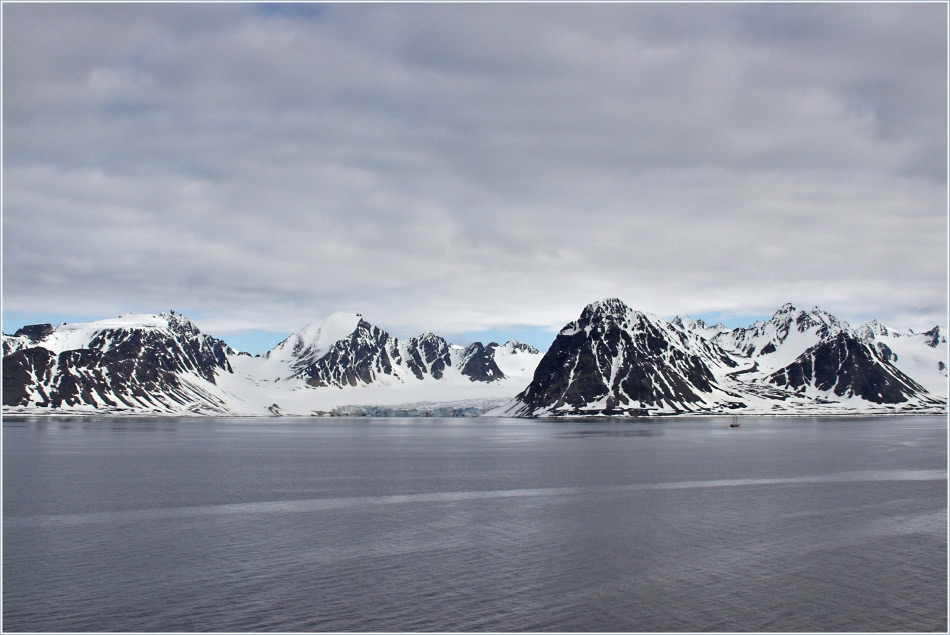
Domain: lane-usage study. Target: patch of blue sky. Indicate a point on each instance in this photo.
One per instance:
(253, 342)
(13, 320)
(536, 336)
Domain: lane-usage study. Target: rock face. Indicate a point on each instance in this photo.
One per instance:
(158, 364)
(614, 360)
(617, 361)
(358, 358)
(934, 337)
(788, 333)
(427, 354)
(847, 367)
(477, 362)
(514, 346)
(164, 364)
(35, 332)
(346, 350)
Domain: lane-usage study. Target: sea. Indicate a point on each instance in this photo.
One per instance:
(487, 525)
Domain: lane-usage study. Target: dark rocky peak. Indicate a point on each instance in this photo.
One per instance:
(429, 338)
(366, 339)
(619, 359)
(790, 317)
(848, 367)
(365, 331)
(802, 320)
(828, 325)
(609, 309)
(477, 362)
(427, 354)
(358, 358)
(35, 332)
(822, 316)
(934, 337)
(520, 347)
(180, 325)
(430, 344)
(785, 310)
(181, 348)
(312, 342)
(183, 327)
(607, 317)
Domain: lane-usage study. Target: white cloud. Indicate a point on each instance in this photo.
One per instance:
(456, 167)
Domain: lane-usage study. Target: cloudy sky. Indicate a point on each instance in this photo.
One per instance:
(474, 170)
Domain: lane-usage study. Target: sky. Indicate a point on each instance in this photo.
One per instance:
(478, 171)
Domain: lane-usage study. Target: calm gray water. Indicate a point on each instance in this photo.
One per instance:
(801, 524)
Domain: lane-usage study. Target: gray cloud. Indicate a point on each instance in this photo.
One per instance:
(460, 167)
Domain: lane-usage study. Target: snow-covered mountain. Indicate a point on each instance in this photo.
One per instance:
(614, 360)
(922, 356)
(140, 363)
(162, 363)
(346, 350)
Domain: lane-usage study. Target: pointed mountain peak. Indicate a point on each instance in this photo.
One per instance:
(872, 330)
(614, 312)
(935, 336)
(316, 338)
(609, 307)
(823, 316)
(332, 329)
(178, 321)
(428, 336)
(786, 309)
(687, 323)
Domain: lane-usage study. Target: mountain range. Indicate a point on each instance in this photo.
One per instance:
(612, 361)
(616, 361)
(163, 364)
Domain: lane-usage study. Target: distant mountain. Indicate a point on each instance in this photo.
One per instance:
(346, 350)
(922, 356)
(137, 363)
(614, 360)
(162, 363)
(847, 367)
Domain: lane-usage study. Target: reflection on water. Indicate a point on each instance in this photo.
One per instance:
(475, 525)
(612, 432)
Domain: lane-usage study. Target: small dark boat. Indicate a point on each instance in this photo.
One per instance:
(735, 422)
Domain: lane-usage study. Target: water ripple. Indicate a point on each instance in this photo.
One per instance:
(324, 504)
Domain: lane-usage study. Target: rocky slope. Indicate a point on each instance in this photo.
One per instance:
(159, 363)
(164, 364)
(614, 360)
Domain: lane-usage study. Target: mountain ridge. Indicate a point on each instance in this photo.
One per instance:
(613, 360)
(78, 367)
(684, 366)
